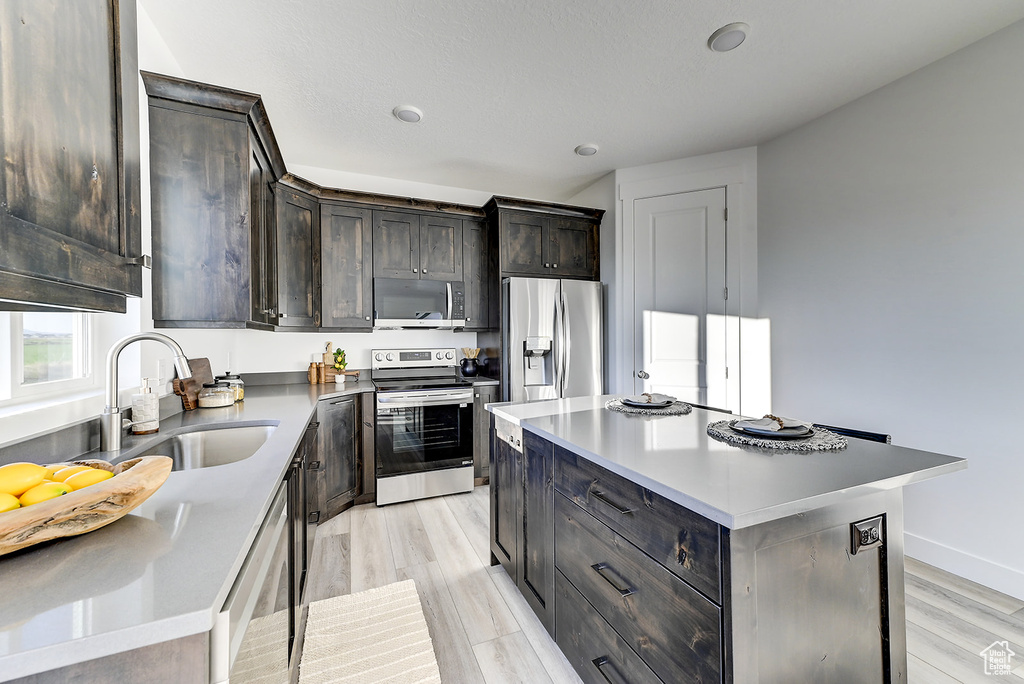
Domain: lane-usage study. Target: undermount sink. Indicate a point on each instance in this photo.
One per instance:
(211, 447)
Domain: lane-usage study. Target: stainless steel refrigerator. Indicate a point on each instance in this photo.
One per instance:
(551, 339)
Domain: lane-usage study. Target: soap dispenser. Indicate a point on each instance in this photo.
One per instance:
(145, 410)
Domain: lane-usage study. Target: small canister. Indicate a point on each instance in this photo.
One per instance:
(235, 383)
(216, 394)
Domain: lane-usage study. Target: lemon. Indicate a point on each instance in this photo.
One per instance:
(63, 474)
(8, 502)
(43, 492)
(55, 468)
(88, 477)
(18, 478)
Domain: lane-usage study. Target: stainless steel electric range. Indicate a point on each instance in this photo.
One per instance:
(424, 425)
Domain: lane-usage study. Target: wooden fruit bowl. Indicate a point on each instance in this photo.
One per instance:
(86, 509)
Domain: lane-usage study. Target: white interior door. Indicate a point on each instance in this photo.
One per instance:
(679, 293)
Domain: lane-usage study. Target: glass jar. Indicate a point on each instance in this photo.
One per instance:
(215, 394)
(235, 383)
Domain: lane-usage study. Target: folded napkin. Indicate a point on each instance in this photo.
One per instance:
(649, 398)
(771, 423)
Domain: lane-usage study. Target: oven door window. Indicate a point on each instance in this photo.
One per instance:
(422, 438)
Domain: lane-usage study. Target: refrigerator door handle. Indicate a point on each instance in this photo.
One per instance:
(566, 345)
(559, 345)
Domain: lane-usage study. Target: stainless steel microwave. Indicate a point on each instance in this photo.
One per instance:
(402, 303)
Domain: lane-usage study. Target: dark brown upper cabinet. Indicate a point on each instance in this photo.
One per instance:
(480, 275)
(346, 256)
(546, 240)
(298, 258)
(262, 238)
(213, 163)
(416, 247)
(70, 225)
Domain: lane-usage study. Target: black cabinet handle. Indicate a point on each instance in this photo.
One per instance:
(599, 495)
(314, 517)
(606, 571)
(606, 667)
(314, 465)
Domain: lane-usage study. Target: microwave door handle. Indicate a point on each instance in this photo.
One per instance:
(448, 311)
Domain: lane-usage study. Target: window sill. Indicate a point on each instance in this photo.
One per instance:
(28, 419)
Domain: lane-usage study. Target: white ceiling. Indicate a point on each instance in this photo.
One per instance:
(510, 87)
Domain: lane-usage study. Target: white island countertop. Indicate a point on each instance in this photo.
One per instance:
(734, 486)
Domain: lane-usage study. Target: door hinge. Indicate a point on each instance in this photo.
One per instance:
(726, 372)
(726, 292)
(726, 212)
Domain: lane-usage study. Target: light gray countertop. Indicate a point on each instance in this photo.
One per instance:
(163, 571)
(735, 486)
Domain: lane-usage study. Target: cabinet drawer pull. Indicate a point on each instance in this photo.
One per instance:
(606, 571)
(599, 495)
(605, 662)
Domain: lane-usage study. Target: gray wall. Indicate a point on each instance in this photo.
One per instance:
(891, 241)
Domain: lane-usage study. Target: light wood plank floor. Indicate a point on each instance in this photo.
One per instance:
(483, 630)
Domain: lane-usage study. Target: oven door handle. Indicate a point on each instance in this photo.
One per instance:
(406, 401)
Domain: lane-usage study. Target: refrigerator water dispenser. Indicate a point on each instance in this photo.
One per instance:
(538, 366)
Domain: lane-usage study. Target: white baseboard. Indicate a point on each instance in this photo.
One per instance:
(985, 572)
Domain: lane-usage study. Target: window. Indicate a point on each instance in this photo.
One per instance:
(48, 353)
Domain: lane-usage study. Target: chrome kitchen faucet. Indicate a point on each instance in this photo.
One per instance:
(110, 419)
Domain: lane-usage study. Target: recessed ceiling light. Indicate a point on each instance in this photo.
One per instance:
(408, 114)
(587, 150)
(728, 37)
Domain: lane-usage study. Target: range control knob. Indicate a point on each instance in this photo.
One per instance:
(449, 355)
(439, 356)
(391, 357)
(379, 357)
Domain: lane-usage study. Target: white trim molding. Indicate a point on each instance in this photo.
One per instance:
(736, 171)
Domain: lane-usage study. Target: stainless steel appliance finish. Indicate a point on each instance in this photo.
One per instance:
(259, 602)
(401, 303)
(551, 339)
(424, 424)
(110, 419)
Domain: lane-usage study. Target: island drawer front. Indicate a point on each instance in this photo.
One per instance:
(592, 647)
(673, 628)
(688, 544)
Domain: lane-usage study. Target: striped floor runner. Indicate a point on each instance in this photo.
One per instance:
(379, 635)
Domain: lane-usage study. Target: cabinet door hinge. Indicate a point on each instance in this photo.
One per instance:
(726, 372)
(726, 213)
(726, 293)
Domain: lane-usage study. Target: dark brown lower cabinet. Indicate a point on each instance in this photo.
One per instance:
(339, 453)
(482, 395)
(675, 629)
(591, 646)
(522, 506)
(506, 469)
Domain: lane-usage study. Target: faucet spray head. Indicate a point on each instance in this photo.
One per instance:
(181, 365)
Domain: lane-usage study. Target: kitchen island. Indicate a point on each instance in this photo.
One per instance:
(653, 551)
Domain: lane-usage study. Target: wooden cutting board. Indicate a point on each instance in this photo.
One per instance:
(189, 389)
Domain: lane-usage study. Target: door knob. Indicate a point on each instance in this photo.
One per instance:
(642, 375)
